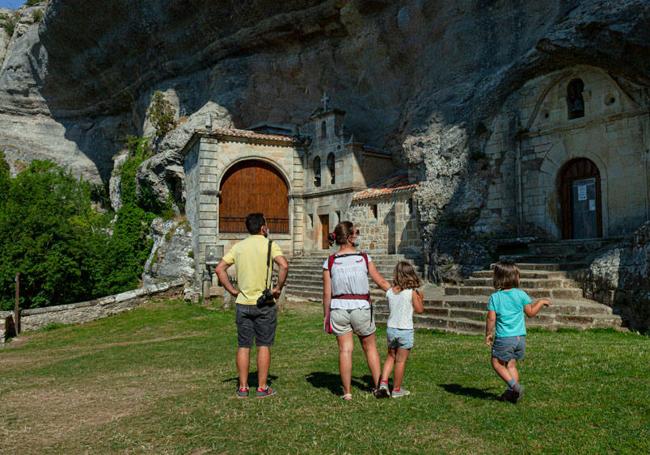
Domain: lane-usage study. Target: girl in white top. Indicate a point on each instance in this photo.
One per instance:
(346, 303)
(403, 299)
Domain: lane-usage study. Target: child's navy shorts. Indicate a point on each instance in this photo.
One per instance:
(508, 348)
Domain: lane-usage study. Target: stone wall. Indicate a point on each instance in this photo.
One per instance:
(393, 230)
(613, 134)
(77, 313)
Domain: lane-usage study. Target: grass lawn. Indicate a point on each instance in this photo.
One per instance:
(161, 379)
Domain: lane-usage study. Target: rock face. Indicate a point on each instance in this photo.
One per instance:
(420, 78)
(620, 276)
(171, 255)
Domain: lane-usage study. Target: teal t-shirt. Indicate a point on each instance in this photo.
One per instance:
(509, 307)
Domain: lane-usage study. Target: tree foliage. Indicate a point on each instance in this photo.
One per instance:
(64, 250)
(162, 115)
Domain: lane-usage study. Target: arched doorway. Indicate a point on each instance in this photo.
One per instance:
(580, 197)
(253, 186)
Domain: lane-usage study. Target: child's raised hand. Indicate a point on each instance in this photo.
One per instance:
(546, 302)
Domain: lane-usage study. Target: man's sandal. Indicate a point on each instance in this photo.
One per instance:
(347, 397)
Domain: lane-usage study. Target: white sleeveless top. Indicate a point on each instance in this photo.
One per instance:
(401, 309)
(349, 276)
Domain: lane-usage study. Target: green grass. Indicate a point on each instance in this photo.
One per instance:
(161, 379)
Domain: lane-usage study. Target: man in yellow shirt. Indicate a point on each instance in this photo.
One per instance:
(250, 256)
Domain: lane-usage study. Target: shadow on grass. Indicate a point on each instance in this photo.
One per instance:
(332, 382)
(253, 379)
(473, 392)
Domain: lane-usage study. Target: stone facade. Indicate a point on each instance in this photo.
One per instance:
(386, 216)
(321, 165)
(534, 137)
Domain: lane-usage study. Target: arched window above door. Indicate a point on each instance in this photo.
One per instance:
(331, 167)
(574, 99)
(317, 172)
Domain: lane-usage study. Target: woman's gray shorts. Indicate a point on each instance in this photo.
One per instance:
(508, 348)
(358, 321)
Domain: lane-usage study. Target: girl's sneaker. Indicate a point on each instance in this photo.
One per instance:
(242, 392)
(400, 393)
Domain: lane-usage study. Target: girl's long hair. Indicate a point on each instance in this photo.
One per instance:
(405, 276)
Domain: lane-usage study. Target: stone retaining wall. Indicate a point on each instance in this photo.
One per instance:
(76, 313)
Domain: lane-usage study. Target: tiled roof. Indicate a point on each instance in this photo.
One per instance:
(395, 183)
(247, 134)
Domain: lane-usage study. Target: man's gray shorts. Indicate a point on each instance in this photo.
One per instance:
(258, 323)
(358, 321)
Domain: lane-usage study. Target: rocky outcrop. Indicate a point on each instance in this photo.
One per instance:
(421, 78)
(171, 256)
(619, 276)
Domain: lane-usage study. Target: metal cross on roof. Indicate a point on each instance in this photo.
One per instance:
(325, 100)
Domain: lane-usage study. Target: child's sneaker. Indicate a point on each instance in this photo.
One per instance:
(242, 392)
(517, 393)
(382, 391)
(263, 393)
(399, 393)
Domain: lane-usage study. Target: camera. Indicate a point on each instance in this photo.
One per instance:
(266, 299)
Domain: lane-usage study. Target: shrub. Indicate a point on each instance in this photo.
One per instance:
(8, 23)
(162, 115)
(37, 16)
(33, 2)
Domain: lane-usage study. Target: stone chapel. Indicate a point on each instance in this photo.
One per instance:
(305, 181)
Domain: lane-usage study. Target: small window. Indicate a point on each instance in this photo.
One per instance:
(373, 210)
(323, 129)
(331, 166)
(338, 216)
(574, 99)
(317, 171)
(411, 208)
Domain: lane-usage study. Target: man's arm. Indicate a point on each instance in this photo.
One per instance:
(223, 278)
(283, 271)
(490, 322)
(532, 309)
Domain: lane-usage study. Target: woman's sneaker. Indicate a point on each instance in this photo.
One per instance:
(242, 392)
(382, 391)
(400, 393)
(263, 393)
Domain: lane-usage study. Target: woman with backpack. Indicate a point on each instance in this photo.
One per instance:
(346, 302)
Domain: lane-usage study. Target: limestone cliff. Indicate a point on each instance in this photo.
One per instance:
(421, 78)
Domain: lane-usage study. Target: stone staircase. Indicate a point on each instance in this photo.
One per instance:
(305, 281)
(547, 270)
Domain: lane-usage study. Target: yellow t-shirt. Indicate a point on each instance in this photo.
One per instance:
(249, 256)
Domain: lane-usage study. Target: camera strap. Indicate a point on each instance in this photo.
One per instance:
(268, 265)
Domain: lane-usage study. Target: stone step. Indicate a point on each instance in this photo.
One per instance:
(469, 321)
(317, 282)
(526, 274)
(566, 307)
(528, 283)
(530, 263)
(552, 293)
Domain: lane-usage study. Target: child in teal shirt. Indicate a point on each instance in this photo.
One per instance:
(506, 309)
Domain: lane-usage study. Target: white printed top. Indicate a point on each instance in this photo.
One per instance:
(349, 276)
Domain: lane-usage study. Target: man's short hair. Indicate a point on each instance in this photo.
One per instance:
(254, 222)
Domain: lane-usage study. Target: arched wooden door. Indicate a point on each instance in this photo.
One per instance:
(580, 196)
(249, 187)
